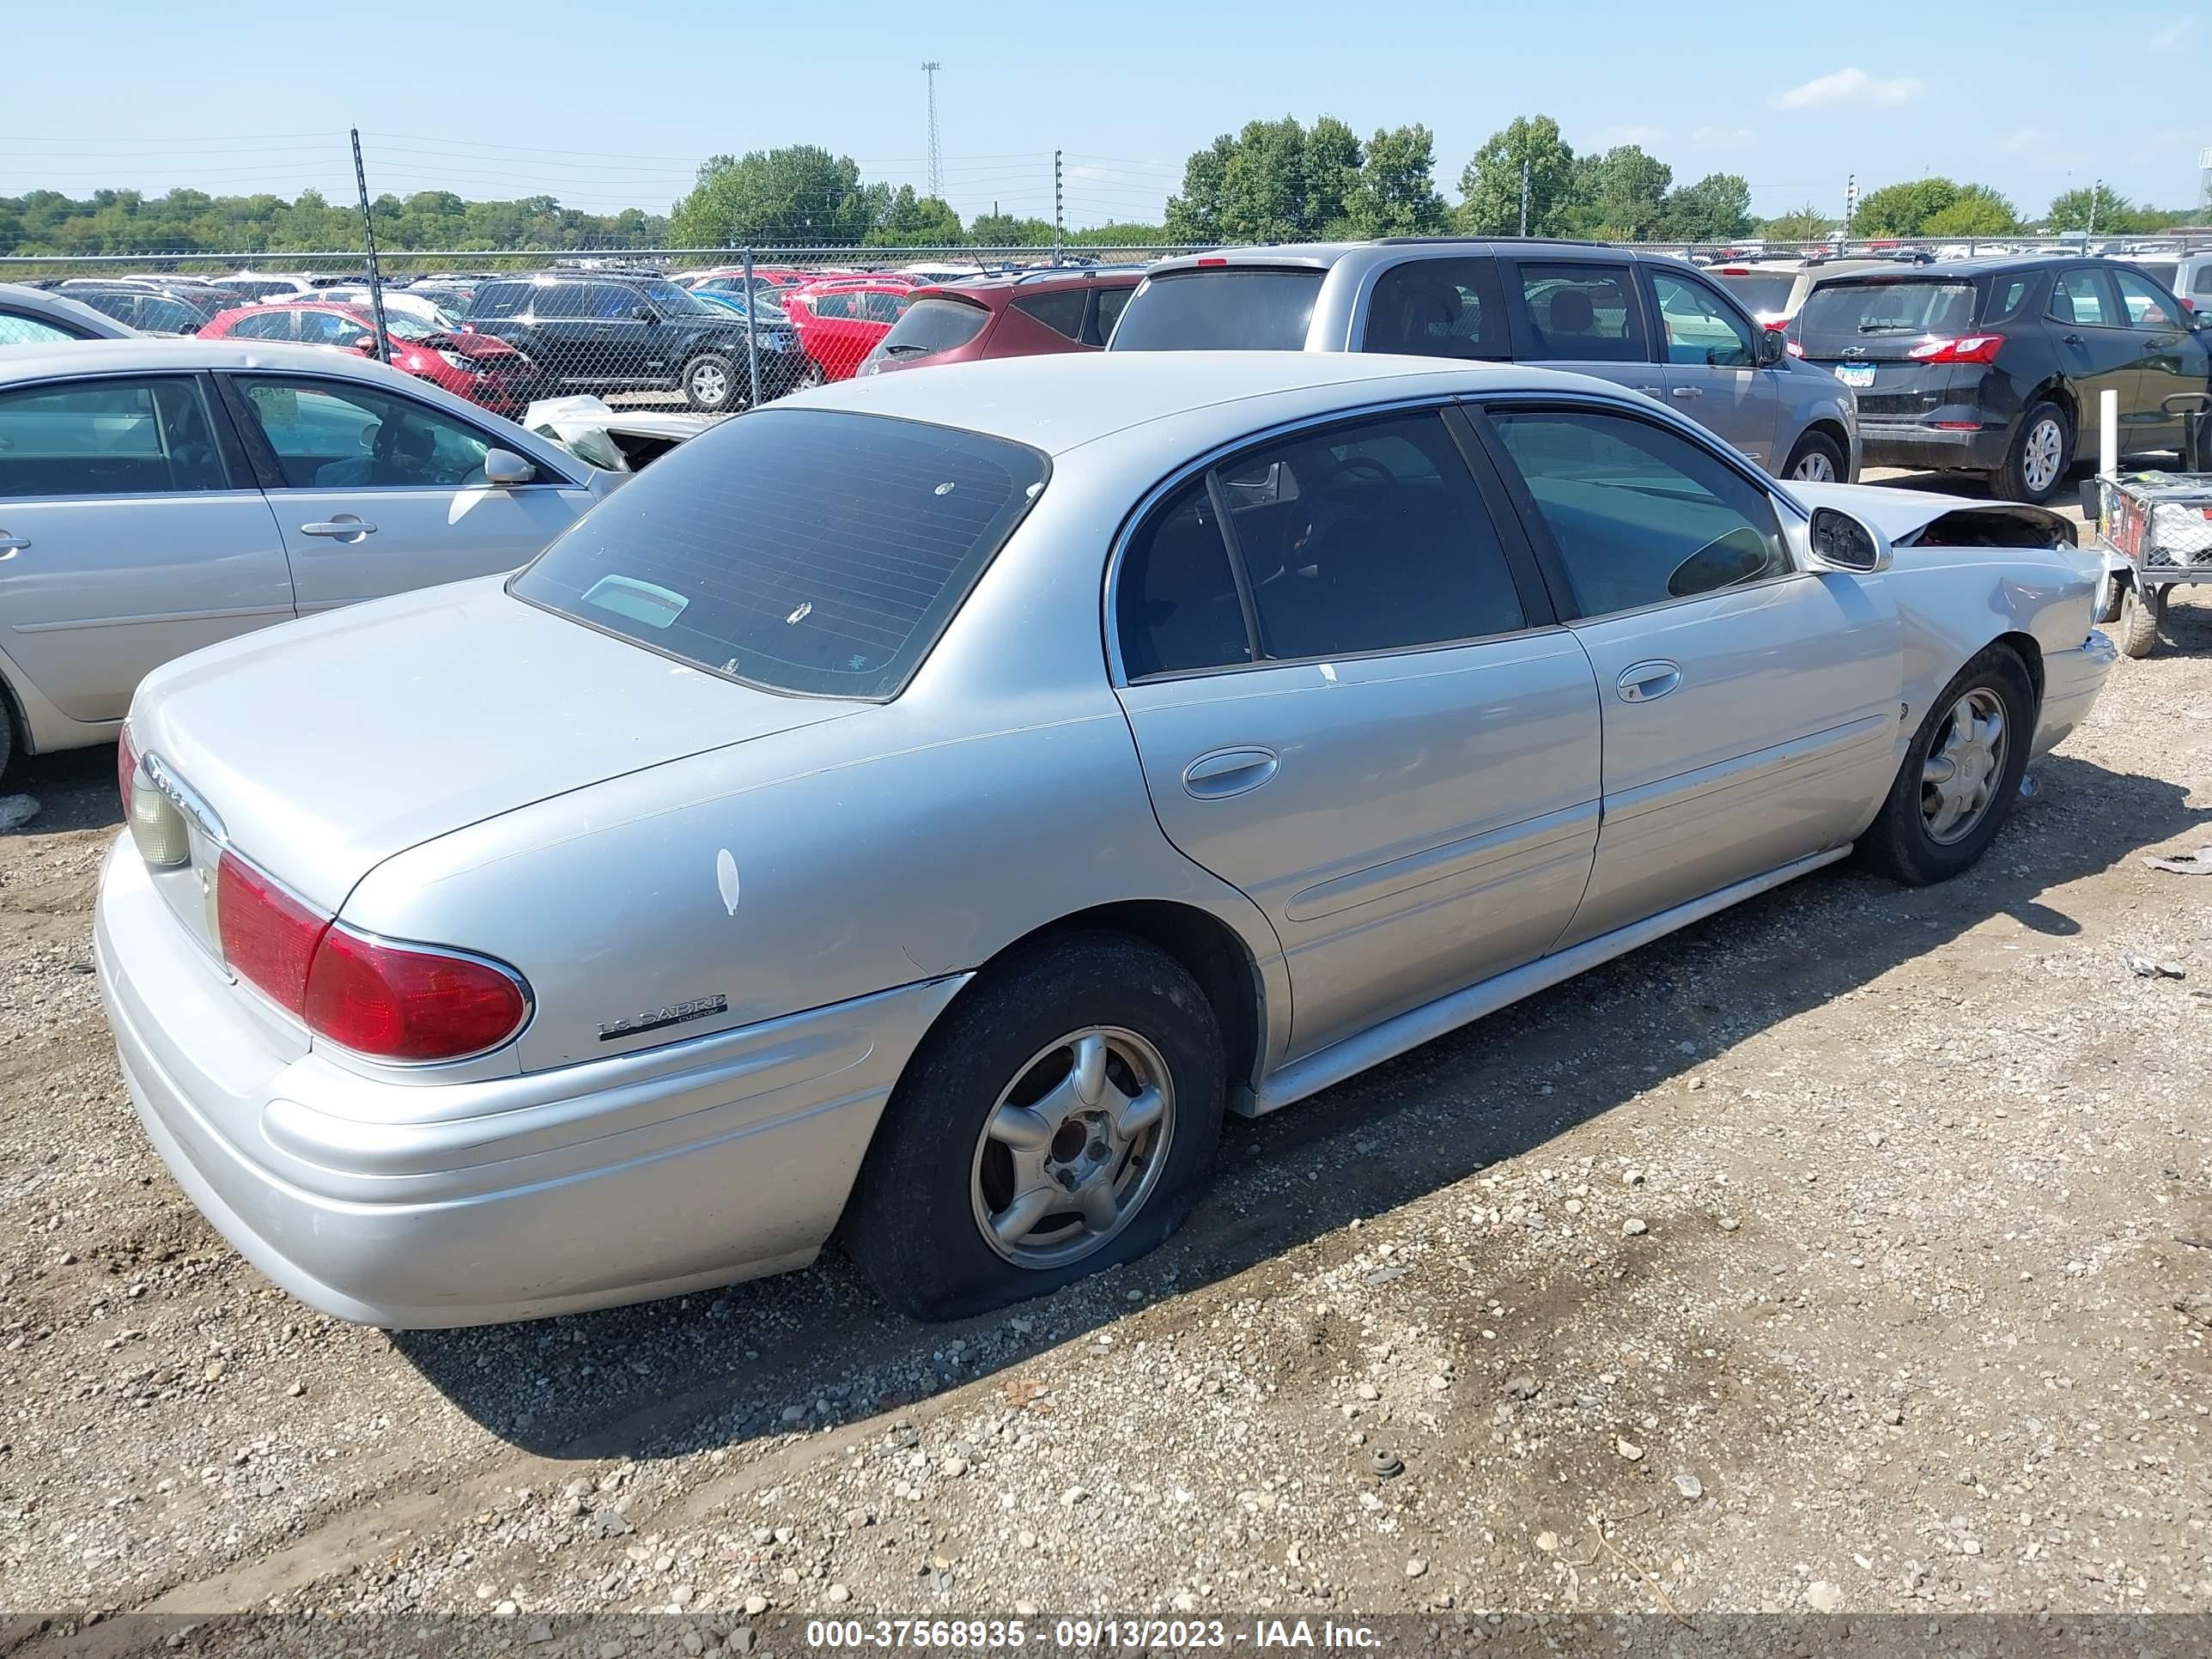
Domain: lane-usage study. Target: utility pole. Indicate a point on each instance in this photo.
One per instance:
(1057, 225)
(936, 154)
(2095, 191)
(1524, 195)
(375, 275)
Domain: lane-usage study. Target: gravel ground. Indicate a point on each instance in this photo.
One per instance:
(1849, 1252)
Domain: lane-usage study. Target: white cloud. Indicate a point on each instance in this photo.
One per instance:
(1848, 86)
(1721, 137)
(2173, 34)
(1631, 135)
(2025, 138)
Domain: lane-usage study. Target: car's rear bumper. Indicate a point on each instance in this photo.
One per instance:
(1915, 444)
(2071, 680)
(428, 1204)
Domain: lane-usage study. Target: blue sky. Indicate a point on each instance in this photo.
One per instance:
(608, 106)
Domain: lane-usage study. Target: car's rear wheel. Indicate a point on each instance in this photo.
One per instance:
(1818, 459)
(710, 384)
(7, 736)
(2042, 449)
(1061, 1119)
(1961, 775)
(2141, 605)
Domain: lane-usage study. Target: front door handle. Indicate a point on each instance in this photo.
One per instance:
(1649, 391)
(344, 527)
(11, 545)
(1227, 772)
(1689, 391)
(2070, 339)
(1647, 682)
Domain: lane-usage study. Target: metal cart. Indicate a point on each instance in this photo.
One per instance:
(2156, 531)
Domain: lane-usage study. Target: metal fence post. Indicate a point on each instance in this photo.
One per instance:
(752, 339)
(369, 234)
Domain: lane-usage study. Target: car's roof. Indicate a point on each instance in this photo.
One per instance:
(1061, 400)
(55, 304)
(41, 362)
(1321, 255)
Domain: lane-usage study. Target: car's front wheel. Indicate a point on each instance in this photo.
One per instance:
(710, 383)
(1961, 775)
(1060, 1119)
(1818, 459)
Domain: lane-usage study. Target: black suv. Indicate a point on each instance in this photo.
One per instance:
(622, 331)
(1996, 365)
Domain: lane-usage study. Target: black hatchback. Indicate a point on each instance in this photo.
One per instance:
(1996, 365)
(621, 332)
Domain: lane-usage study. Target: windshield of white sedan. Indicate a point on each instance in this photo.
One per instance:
(804, 550)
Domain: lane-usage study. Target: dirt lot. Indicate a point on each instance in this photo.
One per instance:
(1852, 1251)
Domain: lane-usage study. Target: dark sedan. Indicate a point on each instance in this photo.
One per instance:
(1996, 365)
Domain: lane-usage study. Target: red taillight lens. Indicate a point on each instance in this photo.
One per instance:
(269, 937)
(1966, 348)
(401, 1003)
(126, 769)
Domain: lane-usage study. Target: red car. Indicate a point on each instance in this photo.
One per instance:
(1019, 314)
(840, 321)
(484, 370)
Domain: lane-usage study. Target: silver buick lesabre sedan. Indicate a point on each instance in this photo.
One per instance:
(918, 810)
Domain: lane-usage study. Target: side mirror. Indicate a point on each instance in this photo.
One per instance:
(367, 342)
(1841, 541)
(645, 314)
(503, 469)
(1773, 346)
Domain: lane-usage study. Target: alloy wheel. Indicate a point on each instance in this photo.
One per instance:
(2039, 460)
(709, 384)
(1964, 768)
(1074, 1147)
(1814, 467)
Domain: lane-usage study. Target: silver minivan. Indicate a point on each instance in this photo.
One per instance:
(1653, 324)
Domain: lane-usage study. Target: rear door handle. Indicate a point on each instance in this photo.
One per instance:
(11, 545)
(1647, 682)
(340, 528)
(1227, 772)
(1689, 391)
(2070, 339)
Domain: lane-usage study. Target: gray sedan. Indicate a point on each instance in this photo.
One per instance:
(923, 807)
(158, 496)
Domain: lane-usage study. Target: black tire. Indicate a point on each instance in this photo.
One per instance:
(2111, 598)
(705, 372)
(912, 1227)
(2011, 480)
(1817, 444)
(2141, 607)
(1898, 844)
(7, 736)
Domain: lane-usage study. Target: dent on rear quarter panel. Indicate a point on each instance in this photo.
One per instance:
(797, 870)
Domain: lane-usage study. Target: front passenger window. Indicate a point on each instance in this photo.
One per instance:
(1700, 329)
(1638, 514)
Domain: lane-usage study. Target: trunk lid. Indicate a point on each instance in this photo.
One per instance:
(1862, 329)
(328, 746)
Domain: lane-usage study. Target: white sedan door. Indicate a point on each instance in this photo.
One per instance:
(125, 537)
(1751, 707)
(378, 494)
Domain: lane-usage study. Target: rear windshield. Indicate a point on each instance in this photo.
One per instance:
(1227, 308)
(1838, 314)
(933, 325)
(1758, 290)
(809, 550)
(2161, 271)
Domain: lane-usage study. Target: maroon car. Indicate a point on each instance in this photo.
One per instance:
(1017, 313)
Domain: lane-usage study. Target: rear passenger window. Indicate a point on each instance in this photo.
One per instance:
(1582, 312)
(108, 438)
(17, 329)
(1177, 605)
(1638, 514)
(1439, 308)
(1110, 302)
(1062, 313)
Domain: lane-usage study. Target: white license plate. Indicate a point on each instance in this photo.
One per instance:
(1857, 374)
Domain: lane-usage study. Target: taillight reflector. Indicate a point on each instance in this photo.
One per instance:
(386, 1001)
(401, 1004)
(1965, 349)
(269, 937)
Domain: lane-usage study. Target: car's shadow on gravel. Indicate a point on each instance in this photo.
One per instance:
(812, 1349)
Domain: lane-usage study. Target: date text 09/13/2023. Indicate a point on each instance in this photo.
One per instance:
(1086, 1633)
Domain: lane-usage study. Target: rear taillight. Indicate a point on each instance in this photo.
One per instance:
(400, 1003)
(1965, 349)
(405, 1003)
(126, 770)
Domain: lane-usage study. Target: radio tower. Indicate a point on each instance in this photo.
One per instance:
(936, 154)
